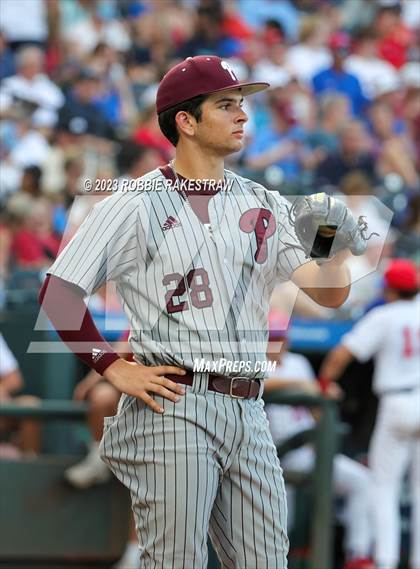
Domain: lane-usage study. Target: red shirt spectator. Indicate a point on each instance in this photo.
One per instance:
(34, 243)
(395, 37)
(148, 134)
(30, 249)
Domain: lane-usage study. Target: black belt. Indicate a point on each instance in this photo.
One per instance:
(237, 387)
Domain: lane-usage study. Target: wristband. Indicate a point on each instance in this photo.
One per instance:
(324, 384)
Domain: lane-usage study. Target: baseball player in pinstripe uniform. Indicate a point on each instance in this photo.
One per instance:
(194, 270)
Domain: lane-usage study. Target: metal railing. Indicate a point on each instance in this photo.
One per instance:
(48, 409)
(325, 444)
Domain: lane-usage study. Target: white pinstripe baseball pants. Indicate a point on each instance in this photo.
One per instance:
(206, 465)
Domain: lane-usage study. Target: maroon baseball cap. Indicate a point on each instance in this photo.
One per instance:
(200, 75)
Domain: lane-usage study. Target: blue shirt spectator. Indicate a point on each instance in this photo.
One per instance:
(277, 144)
(109, 104)
(7, 60)
(339, 81)
(336, 79)
(257, 13)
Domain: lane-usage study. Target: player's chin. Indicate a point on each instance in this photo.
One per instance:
(233, 146)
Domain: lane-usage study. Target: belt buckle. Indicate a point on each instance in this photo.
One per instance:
(231, 388)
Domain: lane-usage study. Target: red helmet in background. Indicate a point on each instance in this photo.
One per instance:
(401, 274)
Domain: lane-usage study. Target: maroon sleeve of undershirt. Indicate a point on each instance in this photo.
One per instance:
(64, 306)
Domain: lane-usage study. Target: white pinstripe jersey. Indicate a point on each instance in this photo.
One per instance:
(187, 295)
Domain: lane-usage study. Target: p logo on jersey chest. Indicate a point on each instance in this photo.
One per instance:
(261, 222)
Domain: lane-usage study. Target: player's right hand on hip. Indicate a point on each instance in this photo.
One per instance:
(138, 380)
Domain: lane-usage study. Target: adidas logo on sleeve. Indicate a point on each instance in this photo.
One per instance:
(97, 354)
(170, 223)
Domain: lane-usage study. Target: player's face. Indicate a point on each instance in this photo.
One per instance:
(221, 128)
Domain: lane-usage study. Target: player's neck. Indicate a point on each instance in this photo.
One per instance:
(196, 165)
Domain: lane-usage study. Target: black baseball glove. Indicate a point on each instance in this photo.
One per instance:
(324, 226)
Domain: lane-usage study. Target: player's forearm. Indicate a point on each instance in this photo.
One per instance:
(74, 324)
(327, 284)
(335, 363)
(333, 284)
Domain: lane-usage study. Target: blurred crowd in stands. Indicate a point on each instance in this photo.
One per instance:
(77, 102)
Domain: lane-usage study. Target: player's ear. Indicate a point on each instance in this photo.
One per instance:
(185, 123)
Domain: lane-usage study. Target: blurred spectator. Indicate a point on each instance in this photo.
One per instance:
(66, 193)
(272, 66)
(353, 154)
(408, 239)
(336, 78)
(34, 245)
(79, 113)
(394, 36)
(24, 433)
(10, 177)
(334, 113)
(30, 85)
(93, 23)
(395, 154)
(31, 144)
(410, 75)
(148, 134)
(24, 22)
(410, 14)
(357, 14)
(103, 65)
(357, 190)
(278, 143)
(115, 97)
(134, 160)
(257, 13)
(31, 181)
(233, 25)
(65, 148)
(374, 74)
(310, 55)
(158, 32)
(411, 108)
(7, 60)
(5, 240)
(209, 34)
